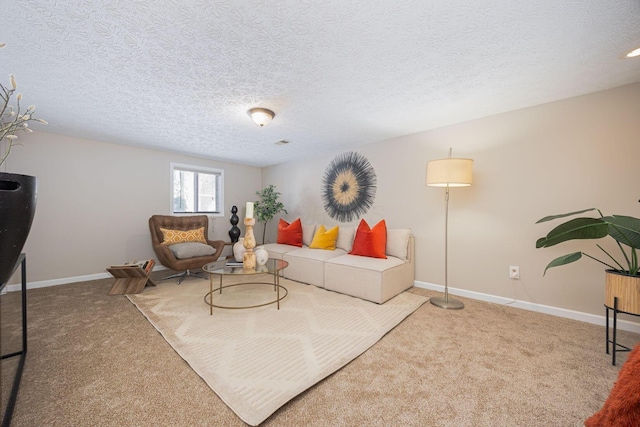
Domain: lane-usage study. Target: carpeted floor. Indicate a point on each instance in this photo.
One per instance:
(95, 360)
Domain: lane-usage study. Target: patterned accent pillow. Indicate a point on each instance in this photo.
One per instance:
(171, 237)
(325, 239)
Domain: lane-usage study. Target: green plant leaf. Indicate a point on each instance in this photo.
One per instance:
(624, 229)
(578, 228)
(552, 217)
(565, 259)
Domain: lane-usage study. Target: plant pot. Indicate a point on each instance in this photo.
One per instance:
(626, 288)
(17, 207)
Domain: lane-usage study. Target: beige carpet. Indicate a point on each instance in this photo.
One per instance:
(95, 360)
(258, 359)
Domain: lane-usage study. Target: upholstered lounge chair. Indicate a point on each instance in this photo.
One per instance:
(182, 262)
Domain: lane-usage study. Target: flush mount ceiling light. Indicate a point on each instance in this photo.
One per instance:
(261, 116)
(633, 53)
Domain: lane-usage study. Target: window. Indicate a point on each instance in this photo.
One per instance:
(196, 189)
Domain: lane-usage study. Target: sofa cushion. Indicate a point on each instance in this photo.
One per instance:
(277, 250)
(290, 234)
(325, 239)
(307, 265)
(372, 279)
(370, 242)
(191, 249)
(397, 240)
(366, 263)
(308, 230)
(171, 237)
(345, 238)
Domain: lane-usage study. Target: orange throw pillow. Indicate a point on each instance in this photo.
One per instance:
(290, 234)
(371, 242)
(622, 407)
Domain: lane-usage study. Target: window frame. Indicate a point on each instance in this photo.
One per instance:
(198, 169)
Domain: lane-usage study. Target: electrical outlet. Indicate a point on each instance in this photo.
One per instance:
(514, 272)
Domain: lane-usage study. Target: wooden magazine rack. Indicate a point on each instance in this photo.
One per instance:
(129, 279)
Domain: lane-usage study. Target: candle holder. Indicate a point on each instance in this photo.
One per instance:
(249, 242)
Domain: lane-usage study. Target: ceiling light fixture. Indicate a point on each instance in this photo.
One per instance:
(633, 53)
(261, 116)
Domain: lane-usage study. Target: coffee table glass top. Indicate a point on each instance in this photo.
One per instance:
(272, 266)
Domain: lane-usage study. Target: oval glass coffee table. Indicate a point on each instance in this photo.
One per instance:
(272, 267)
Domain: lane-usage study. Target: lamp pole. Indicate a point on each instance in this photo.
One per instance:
(448, 172)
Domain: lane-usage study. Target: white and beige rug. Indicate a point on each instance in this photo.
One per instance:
(258, 359)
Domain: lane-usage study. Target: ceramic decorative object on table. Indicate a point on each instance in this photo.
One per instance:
(261, 255)
(238, 250)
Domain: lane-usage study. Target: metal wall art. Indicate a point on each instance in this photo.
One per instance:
(348, 186)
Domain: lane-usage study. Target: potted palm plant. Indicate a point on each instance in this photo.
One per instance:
(623, 273)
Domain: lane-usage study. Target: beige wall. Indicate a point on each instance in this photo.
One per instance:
(95, 199)
(559, 157)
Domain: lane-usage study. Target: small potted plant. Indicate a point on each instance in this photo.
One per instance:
(623, 273)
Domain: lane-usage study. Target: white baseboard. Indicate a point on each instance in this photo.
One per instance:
(67, 280)
(540, 308)
(525, 305)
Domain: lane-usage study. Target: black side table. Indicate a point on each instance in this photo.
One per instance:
(616, 347)
(11, 403)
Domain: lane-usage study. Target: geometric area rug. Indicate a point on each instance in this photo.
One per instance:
(258, 359)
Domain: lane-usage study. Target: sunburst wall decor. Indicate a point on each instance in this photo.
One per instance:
(348, 186)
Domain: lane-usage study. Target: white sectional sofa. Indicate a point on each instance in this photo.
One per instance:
(372, 279)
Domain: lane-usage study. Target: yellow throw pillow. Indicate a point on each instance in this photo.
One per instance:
(171, 237)
(325, 239)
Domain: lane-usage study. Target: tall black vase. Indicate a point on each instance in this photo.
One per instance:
(234, 231)
(17, 207)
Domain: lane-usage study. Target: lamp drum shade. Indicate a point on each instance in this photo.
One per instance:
(450, 172)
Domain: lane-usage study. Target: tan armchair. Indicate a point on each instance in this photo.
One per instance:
(166, 256)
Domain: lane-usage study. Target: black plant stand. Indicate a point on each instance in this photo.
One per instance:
(616, 347)
(11, 403)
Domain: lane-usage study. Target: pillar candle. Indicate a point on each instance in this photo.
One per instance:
(249, 210)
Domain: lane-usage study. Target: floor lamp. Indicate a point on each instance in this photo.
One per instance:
(448, 173)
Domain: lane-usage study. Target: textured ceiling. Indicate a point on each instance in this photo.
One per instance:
(179, 75)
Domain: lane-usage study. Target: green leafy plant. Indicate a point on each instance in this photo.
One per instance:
(268, 206)
(625, 230)
(12, 118)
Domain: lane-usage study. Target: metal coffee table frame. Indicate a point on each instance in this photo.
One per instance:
(272, 267)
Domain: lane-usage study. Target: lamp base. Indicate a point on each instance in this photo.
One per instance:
(447, 303)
